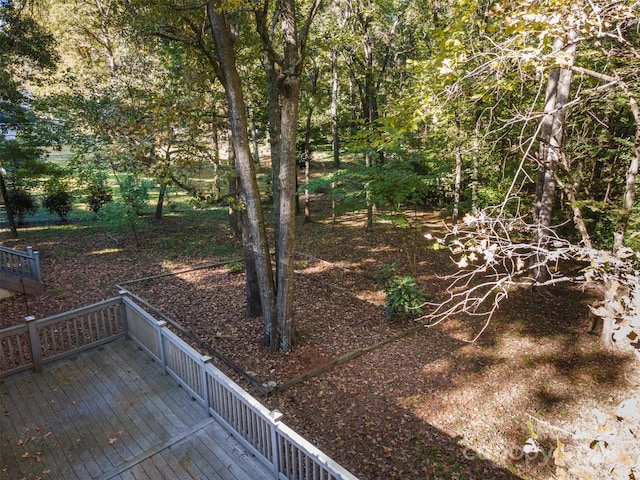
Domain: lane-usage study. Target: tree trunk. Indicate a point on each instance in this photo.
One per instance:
(232, 191)
(545, 131)
(457, 186)
(307, 164)
(252, 286)
(275, 138)
(335, 139)
(476, 165)
(551, 144)
(160, 204)
(245, 166)
(7, 206)
(254, 138)
(572, 197)
(289, 100)
(369, 222)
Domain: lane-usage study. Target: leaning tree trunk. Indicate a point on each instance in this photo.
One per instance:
(160, 204)
(245, 166)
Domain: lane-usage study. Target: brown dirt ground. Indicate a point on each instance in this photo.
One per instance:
(430, 405)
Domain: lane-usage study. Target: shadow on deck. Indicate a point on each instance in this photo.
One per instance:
(110, 413)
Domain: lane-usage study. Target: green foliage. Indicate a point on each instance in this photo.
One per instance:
(58, 198)
(402, 293)
(115, 215)
(135, 193)
(389, 186)
(98, 192)
(22, 202)
(386, 274)
(235, 266)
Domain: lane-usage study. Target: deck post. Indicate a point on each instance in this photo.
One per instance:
(34, 264)
(275, 416)
(163, 360)
(34, 343)
(205, 386)
(123, 311)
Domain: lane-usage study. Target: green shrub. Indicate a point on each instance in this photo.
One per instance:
(22, 202)
(402, 293)
(235, 266)
(99, 193)
(134, 193)
(58, 198)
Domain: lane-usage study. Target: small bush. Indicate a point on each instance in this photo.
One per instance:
(22, 202)
(235, 267)
(402, 293)
(135, 193)
(58, 198)
(99, 193)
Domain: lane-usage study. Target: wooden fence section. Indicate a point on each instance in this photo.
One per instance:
(38, 342)
(20, 264)
(286, 453)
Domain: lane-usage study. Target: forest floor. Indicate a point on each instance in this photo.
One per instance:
(431, 404)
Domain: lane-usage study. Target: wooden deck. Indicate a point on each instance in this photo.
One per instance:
(110, 413)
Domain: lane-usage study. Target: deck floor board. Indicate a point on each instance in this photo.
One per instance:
(111, 413)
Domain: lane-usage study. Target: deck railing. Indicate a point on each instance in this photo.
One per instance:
(20, 264)
(289, 455)
(38, 342)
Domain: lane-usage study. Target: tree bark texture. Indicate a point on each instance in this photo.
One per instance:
(551, 134)
(160, 204)
(252, 286)
(289, 101)
(244, 165)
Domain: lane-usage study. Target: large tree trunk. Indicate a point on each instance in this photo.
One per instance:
(7, 206)
(275, 137)
(252, 286)
(289, 100)
(551, 135)
(245, 166)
